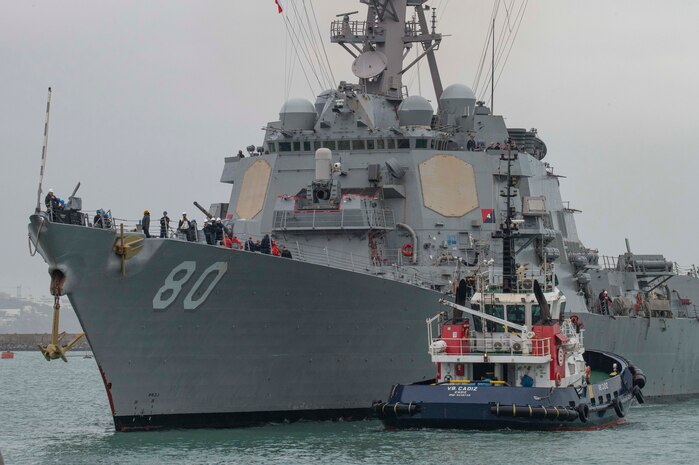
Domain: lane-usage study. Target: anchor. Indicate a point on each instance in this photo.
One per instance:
(54, 350)
(126, 247)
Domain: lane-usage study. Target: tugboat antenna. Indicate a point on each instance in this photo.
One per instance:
(492, 73)
(43, 153)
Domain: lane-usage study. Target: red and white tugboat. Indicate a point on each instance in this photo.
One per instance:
(511, 360)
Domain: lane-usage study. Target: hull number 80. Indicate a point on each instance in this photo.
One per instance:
(180, 276)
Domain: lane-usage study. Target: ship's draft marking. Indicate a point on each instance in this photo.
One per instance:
(253, 190)
(448, 185)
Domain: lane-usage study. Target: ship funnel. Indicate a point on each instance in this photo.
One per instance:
(323, 157)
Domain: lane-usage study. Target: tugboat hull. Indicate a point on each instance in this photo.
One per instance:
(484, 406)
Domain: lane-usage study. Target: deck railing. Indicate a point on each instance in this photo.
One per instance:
(490, 345)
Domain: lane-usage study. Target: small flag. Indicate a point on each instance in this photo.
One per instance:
(279, 6)
(488, 216)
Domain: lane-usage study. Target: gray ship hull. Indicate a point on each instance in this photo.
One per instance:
(664, 348)
(276, 339)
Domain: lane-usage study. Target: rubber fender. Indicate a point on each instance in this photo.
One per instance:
(619, 408)
(639, 378)
(583, 412)
(636, 392)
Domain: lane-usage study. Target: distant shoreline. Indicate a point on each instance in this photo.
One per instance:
(27, 342)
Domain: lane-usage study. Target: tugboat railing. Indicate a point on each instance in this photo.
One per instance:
(490, 345)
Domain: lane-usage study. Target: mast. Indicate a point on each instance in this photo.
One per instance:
(492, 73)
(43, 153)
(509, 272)
(380, 43)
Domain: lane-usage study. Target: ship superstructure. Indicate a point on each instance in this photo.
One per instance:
(386, 202)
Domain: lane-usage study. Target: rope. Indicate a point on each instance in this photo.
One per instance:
(322, 42)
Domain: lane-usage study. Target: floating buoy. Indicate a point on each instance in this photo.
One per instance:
(7, 355)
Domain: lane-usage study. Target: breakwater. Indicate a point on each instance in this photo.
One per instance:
(29, 341)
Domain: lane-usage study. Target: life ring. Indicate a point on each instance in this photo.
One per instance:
(583, 412)
(558, 379)
(407, 250)
(619, 408)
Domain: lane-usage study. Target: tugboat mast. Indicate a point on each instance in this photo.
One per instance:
(509, 271)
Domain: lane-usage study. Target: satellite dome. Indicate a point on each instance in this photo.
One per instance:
(415, 111)
(297, 113)
(457, 91)
(458, 100)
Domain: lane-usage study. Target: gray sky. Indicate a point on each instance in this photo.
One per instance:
(150, 96)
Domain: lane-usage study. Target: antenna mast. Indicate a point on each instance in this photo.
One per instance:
(43, 153)
(492, 73)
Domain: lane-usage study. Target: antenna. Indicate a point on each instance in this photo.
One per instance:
(492, 74)
(43, 153)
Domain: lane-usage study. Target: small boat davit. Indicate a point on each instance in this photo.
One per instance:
(512, 360)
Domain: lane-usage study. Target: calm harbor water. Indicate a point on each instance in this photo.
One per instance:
(58, 413)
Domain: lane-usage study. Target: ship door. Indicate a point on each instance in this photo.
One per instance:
(483, 371)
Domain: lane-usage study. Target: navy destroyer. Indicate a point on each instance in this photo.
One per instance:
(386, 202)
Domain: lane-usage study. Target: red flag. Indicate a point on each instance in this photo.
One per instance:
(279, 6)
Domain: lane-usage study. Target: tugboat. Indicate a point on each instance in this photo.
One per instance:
(511, 359)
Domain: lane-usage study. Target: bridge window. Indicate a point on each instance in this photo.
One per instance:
(536, 314)
(420, 143)
(306, 146)
(358, 145)
(380, 144)
(272, 147)
(515, 314)
(285, 146)
(497, 311)
(403, 143)
(330, 144)
(391, 144)
(370, 144)
(297, 146)
(343, 145)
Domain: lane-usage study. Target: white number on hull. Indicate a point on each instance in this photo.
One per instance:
(220, 268)
(194, 298)
(173, 285)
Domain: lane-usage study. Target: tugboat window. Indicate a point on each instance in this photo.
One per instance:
(403, 143)
(498, 311)
(285, 146)
(515, 314)
(536, 314)
(343, 145)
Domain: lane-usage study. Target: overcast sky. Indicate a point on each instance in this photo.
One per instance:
(150, 96)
